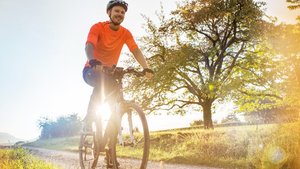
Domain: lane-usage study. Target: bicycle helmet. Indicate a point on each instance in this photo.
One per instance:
(113, 3)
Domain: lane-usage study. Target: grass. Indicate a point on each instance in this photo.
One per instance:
(20, 159)
(247, 147)
(225, 147)
(68, 143)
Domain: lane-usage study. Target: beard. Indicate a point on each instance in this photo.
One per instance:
(116, 20)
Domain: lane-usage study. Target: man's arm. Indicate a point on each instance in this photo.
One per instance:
(138, 55)
(89, 50)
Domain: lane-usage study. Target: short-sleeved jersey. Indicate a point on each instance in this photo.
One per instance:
(109, 43)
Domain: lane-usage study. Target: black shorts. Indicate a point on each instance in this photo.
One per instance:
(96, 79)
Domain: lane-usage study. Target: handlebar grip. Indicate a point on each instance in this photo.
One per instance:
(140, 74)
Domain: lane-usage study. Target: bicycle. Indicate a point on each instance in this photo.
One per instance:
(126, 112)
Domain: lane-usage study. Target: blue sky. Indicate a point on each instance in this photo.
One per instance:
(42, 55)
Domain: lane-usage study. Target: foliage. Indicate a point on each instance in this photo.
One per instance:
(206, 51)
(19, 159)
(285, 40)
(294, 4)
(61, 127)
(283, 105)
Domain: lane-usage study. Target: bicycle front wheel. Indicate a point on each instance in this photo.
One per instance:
(87, 156)
(133, 143)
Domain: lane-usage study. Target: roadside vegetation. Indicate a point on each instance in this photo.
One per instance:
(20, 159)
(255, 146)
(263, 146)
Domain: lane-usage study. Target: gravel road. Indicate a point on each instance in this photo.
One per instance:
(70, 160)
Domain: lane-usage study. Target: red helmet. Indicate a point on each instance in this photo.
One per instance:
(113, 3)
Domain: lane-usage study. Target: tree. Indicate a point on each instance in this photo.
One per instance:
(45, 126)
(61, 127)
(204, 52)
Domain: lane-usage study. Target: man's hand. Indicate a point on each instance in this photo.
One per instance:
(148, 73)
(96, 65)
(98, 68)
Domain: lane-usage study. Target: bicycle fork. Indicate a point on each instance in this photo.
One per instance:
(131, 131)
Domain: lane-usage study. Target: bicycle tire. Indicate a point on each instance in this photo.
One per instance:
(142, 145)
(89, 149)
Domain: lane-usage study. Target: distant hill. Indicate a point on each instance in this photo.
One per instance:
(6, 138)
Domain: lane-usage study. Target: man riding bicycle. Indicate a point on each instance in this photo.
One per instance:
(103, 47)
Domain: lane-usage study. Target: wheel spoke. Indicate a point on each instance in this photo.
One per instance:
(135, 137)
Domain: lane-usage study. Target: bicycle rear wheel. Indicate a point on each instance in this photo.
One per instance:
(133, 143)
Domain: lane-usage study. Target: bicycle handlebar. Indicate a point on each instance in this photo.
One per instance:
(119, 72)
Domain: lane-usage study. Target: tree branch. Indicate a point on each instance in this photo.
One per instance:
(261, 94)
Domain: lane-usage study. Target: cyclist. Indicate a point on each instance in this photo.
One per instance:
(103, 47)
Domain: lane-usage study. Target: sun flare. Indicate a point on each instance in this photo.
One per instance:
(104, 111)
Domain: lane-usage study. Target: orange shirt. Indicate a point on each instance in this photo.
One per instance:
(109, 43)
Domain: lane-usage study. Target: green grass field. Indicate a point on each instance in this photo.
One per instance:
(21, 159)
(271, 146)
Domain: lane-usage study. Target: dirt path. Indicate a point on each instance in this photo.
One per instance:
(70, 160)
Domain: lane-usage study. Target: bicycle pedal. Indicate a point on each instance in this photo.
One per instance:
(111, 165)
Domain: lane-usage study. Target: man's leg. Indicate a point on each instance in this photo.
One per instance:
(92, 109)
(93, 79)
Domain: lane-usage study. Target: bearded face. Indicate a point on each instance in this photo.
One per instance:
(117, 14)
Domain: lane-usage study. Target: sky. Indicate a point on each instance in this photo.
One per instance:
(42, 56)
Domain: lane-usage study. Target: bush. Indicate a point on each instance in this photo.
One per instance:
(196, 123)
(19, 159)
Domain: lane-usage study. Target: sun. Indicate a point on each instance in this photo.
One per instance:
(104, 112)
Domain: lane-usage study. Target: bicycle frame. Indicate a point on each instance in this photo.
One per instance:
(112, 135)
(115, 118)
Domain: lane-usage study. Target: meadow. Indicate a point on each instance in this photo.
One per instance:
(268, 146)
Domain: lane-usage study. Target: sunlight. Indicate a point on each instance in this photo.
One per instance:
(104, 112)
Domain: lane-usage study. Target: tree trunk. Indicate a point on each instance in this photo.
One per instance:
(207, 116)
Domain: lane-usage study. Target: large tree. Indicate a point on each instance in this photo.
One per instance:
(206, 51)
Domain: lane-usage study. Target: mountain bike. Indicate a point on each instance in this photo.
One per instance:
(126, 132)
